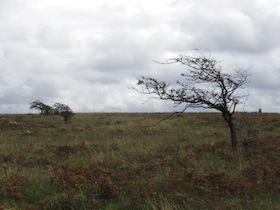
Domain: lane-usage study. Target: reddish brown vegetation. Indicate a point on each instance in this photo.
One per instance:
(90, 183)
(15, 187)
(92, 175)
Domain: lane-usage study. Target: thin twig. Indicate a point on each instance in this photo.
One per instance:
(169, 116)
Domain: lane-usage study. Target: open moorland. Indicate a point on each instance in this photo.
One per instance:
(125, 161)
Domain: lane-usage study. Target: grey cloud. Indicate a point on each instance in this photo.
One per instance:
(87, 53)
(234, 26)
(51, 37)
(267, 100)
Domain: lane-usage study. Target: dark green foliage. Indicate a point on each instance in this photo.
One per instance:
(64, 111)
(57, 109)
(44, 108)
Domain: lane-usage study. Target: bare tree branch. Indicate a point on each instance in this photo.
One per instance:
(204, 86)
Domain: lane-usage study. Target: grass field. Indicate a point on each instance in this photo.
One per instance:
(121, 161)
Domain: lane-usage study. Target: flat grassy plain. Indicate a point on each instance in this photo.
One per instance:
(124, 161)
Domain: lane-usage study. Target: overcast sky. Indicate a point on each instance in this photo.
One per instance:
(86, 53)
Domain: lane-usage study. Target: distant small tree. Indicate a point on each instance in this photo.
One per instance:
(44, 108)
(205, 86)
(57, 109)
(64, 111)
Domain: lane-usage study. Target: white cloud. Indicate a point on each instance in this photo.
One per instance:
(87, 53)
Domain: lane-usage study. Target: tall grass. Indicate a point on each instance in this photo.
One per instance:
(128, 161)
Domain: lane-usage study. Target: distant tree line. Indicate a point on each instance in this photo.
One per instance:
(57, 109)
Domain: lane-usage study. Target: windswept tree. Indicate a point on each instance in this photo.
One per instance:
(204, 86)
(44, 108)
(64, 111)
(57, 109)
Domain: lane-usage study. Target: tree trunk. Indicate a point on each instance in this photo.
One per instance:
(233, 137)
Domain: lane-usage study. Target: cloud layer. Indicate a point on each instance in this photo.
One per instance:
(87, 53)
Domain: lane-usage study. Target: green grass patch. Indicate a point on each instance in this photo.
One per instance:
(130, 161)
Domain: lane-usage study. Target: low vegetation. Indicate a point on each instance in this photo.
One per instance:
(122, 161)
